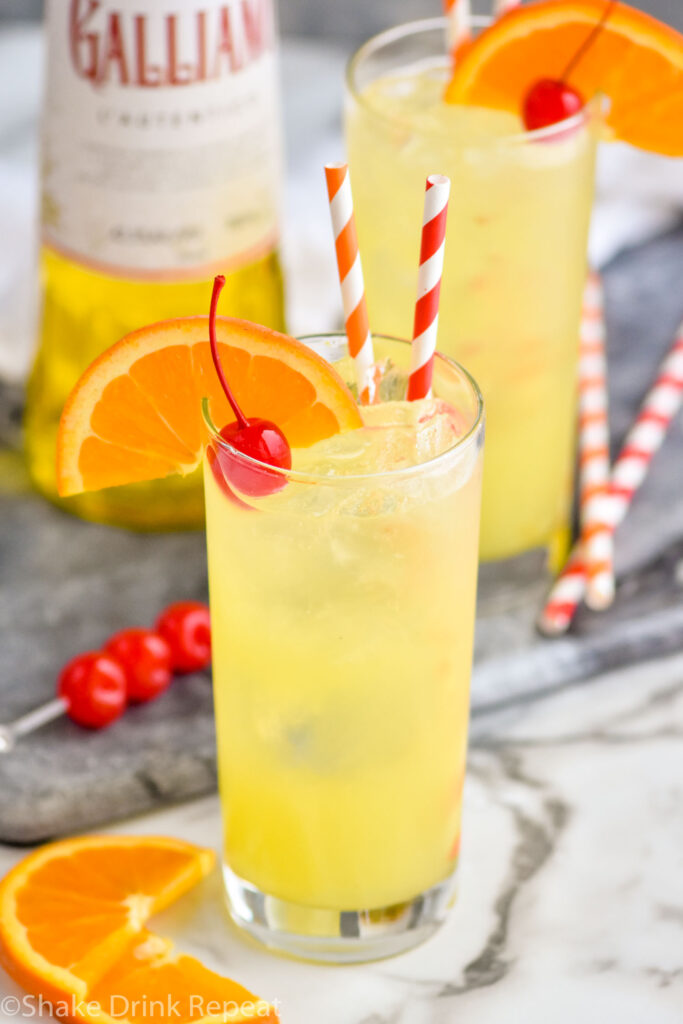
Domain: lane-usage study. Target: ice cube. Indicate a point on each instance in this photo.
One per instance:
(415, 432)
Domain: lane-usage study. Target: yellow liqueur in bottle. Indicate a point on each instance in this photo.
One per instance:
(161, 167)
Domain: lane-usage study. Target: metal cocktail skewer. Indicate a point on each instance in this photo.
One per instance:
(32, 720)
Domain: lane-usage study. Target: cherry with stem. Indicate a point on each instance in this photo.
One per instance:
(552, 100)
(253, 443)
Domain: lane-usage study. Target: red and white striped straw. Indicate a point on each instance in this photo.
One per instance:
(351, 278)
(501, 7)
(643, 440)
(594, 466)
(425, 325)
(565, 595)
(459, 16)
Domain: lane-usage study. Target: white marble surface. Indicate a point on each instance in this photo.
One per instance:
(571, 903)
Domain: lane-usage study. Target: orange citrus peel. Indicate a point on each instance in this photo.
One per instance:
(635, 60)
(72, 931)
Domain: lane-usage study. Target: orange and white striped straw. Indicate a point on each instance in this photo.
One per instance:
(501, 7)
(351, 279)
(459, 16)
(594, 465)
(426, 323)
(661, 404)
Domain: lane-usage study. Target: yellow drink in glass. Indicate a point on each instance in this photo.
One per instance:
(514, 270)
(342, 620)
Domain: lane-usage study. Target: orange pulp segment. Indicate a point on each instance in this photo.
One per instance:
(135, 414)
(153, 980)
(635, 60)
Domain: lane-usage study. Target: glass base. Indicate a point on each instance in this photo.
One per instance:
(333, 936)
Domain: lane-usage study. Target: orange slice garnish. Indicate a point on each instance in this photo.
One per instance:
(71, 908)
(135, 414)
(152, 979)
(72, 931)
(635, 60)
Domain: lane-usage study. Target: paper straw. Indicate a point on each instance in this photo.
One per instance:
(351, 278)
(501, 7)
(594, 466)
(459, 17)
(437, 190)
(565, 596)
(643, 440)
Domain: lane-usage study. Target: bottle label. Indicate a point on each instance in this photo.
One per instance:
(161, 135)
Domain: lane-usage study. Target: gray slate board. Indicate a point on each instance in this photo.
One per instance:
(66, 585)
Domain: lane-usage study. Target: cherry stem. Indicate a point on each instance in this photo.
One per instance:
(218, 283)
(588, 41)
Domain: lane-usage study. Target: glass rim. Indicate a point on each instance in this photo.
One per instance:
(404, 472)
(408, 28)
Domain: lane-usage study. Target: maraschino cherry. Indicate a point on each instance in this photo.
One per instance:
(550, 101)
(186, 628)
(93, 685)
(256, 438)
(146, 659)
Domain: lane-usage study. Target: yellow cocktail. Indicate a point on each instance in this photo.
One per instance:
(514, 270)
(342, 617)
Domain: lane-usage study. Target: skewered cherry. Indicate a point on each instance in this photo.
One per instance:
(94, 688)
(145, 657)
(186, 628)
(93, 685)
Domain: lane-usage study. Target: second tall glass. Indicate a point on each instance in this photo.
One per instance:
(514, 271)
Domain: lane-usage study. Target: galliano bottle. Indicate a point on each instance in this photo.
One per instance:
(161, 167)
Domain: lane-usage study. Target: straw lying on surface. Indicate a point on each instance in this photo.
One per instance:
(459, 17)
(437, 190)
(643, 440)
(594, 467)
(351, 278)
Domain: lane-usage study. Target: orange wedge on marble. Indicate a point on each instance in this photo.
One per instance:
(68, 910)
(72, 930)
(135, 414)
(153, 980)
(635, 61)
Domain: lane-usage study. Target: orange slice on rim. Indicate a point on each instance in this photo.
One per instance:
(72, 919)
(135, 414)
(635, 60)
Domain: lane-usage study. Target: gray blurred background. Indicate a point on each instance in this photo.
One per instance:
(354, 20)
